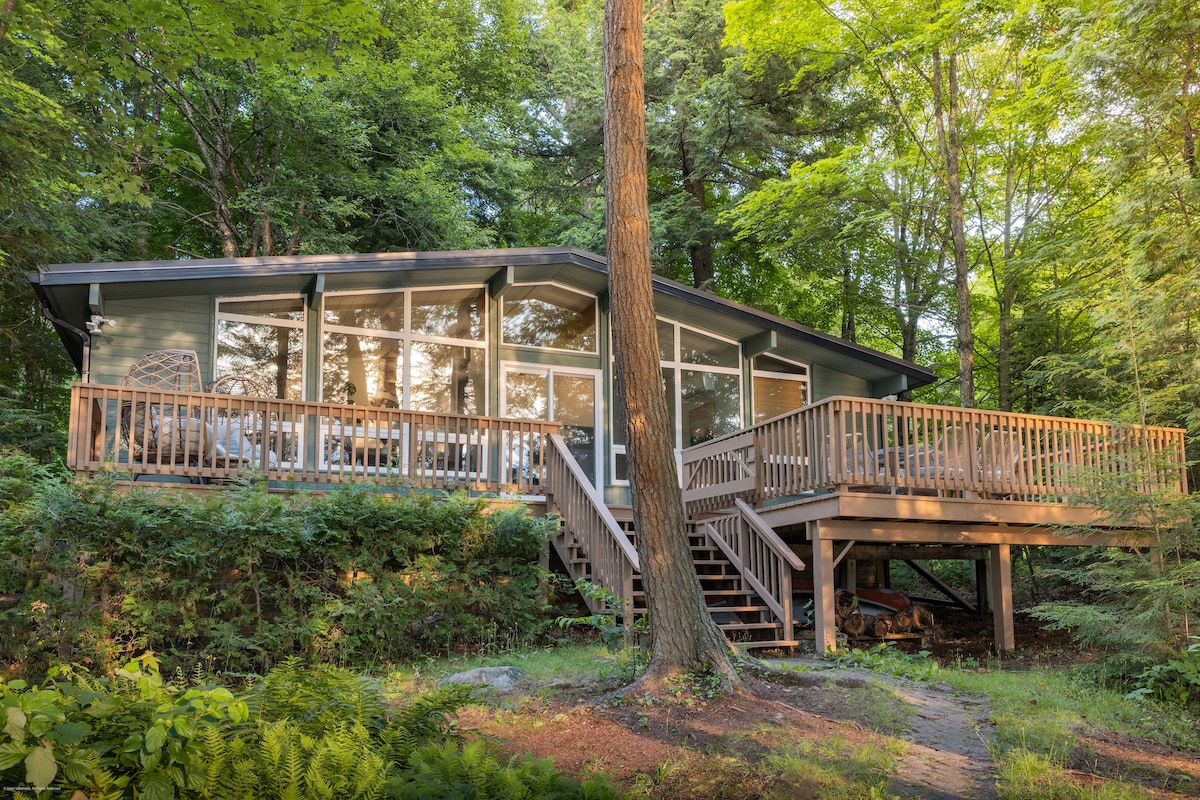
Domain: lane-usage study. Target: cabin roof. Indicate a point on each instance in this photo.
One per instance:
(73, 292)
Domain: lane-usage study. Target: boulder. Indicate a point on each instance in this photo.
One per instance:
(499, 678)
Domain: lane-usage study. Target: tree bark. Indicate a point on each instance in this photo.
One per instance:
(683, 636)
(701, 252)
(7, 10)
(946, 115)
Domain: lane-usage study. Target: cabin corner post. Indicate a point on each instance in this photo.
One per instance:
(823, 589)
(1000, 567)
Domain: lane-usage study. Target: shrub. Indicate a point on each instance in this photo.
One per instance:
(239, 580)
(1176, 682)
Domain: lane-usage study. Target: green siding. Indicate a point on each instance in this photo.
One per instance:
(143, 326)
(825, 382)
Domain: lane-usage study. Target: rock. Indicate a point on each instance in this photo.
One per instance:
(499, 678)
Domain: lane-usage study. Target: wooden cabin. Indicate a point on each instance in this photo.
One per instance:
(491, 371)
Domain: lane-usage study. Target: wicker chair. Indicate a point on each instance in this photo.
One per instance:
(239, 429)
(161, 432)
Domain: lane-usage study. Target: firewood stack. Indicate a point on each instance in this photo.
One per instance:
(916, 619)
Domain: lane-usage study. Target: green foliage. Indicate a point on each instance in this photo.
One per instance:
(448, 773)
(1176, 681)
(302, 733)
(1142, 600)
(615, 631)
(885, 658)
(241, 580)
(105, 734)
(319, 697)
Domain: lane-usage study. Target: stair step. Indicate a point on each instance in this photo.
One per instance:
(746, 626)
(738, 609)
(767, 644)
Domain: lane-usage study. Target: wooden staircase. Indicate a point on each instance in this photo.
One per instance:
(745, 571)
(737, 608)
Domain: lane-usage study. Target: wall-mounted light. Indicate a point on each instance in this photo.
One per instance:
(93, 325)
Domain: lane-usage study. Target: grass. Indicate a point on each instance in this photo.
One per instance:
(835, 770)
(571, 663)
(1042, 710)
(1024, 775)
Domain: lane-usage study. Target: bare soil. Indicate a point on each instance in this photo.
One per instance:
(717, 748)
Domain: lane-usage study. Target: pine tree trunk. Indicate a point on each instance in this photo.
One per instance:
(683, 636)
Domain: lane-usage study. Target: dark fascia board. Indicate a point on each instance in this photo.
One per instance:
(55, 275)
(232, 268)
(70, 340)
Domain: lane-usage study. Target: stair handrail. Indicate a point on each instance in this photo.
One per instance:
(614, 560)
(768, 535)
(783, 561)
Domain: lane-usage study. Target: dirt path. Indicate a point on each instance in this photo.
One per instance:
(948, 756)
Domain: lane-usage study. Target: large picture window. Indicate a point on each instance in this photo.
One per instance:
(703, 383)
(263, 337)
(421, 349)
(567, 396)
(549, 316)
(779, 387)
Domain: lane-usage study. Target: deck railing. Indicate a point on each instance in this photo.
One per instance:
(764, 561)
(214, 437)
(847, 442)
(612, 559)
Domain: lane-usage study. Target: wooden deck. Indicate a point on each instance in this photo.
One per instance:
(842, 480)
(850, 475)
(210, 438)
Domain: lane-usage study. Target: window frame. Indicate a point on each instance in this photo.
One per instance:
(407, 337)
(618, 450)
(248, 319)
(805, 379)
(595, 301)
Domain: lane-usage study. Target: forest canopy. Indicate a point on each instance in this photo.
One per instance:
(1006, 192)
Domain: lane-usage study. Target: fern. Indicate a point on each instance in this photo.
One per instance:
(427, 720)
(445, 772)
(320, 696)
(290, 775)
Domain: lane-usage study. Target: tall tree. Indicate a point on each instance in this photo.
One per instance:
(57, 165)
(683, 636)
(909, 55)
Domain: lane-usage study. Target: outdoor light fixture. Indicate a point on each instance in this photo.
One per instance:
(93, 325)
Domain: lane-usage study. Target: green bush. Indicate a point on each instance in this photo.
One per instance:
(239, 580)
(1176, 682)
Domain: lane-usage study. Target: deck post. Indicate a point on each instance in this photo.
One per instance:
(1000, 563)
(983, 599)
(823, 588)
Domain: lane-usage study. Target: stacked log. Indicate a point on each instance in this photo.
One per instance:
(855, 624)
(917, 619)
(922, 618)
